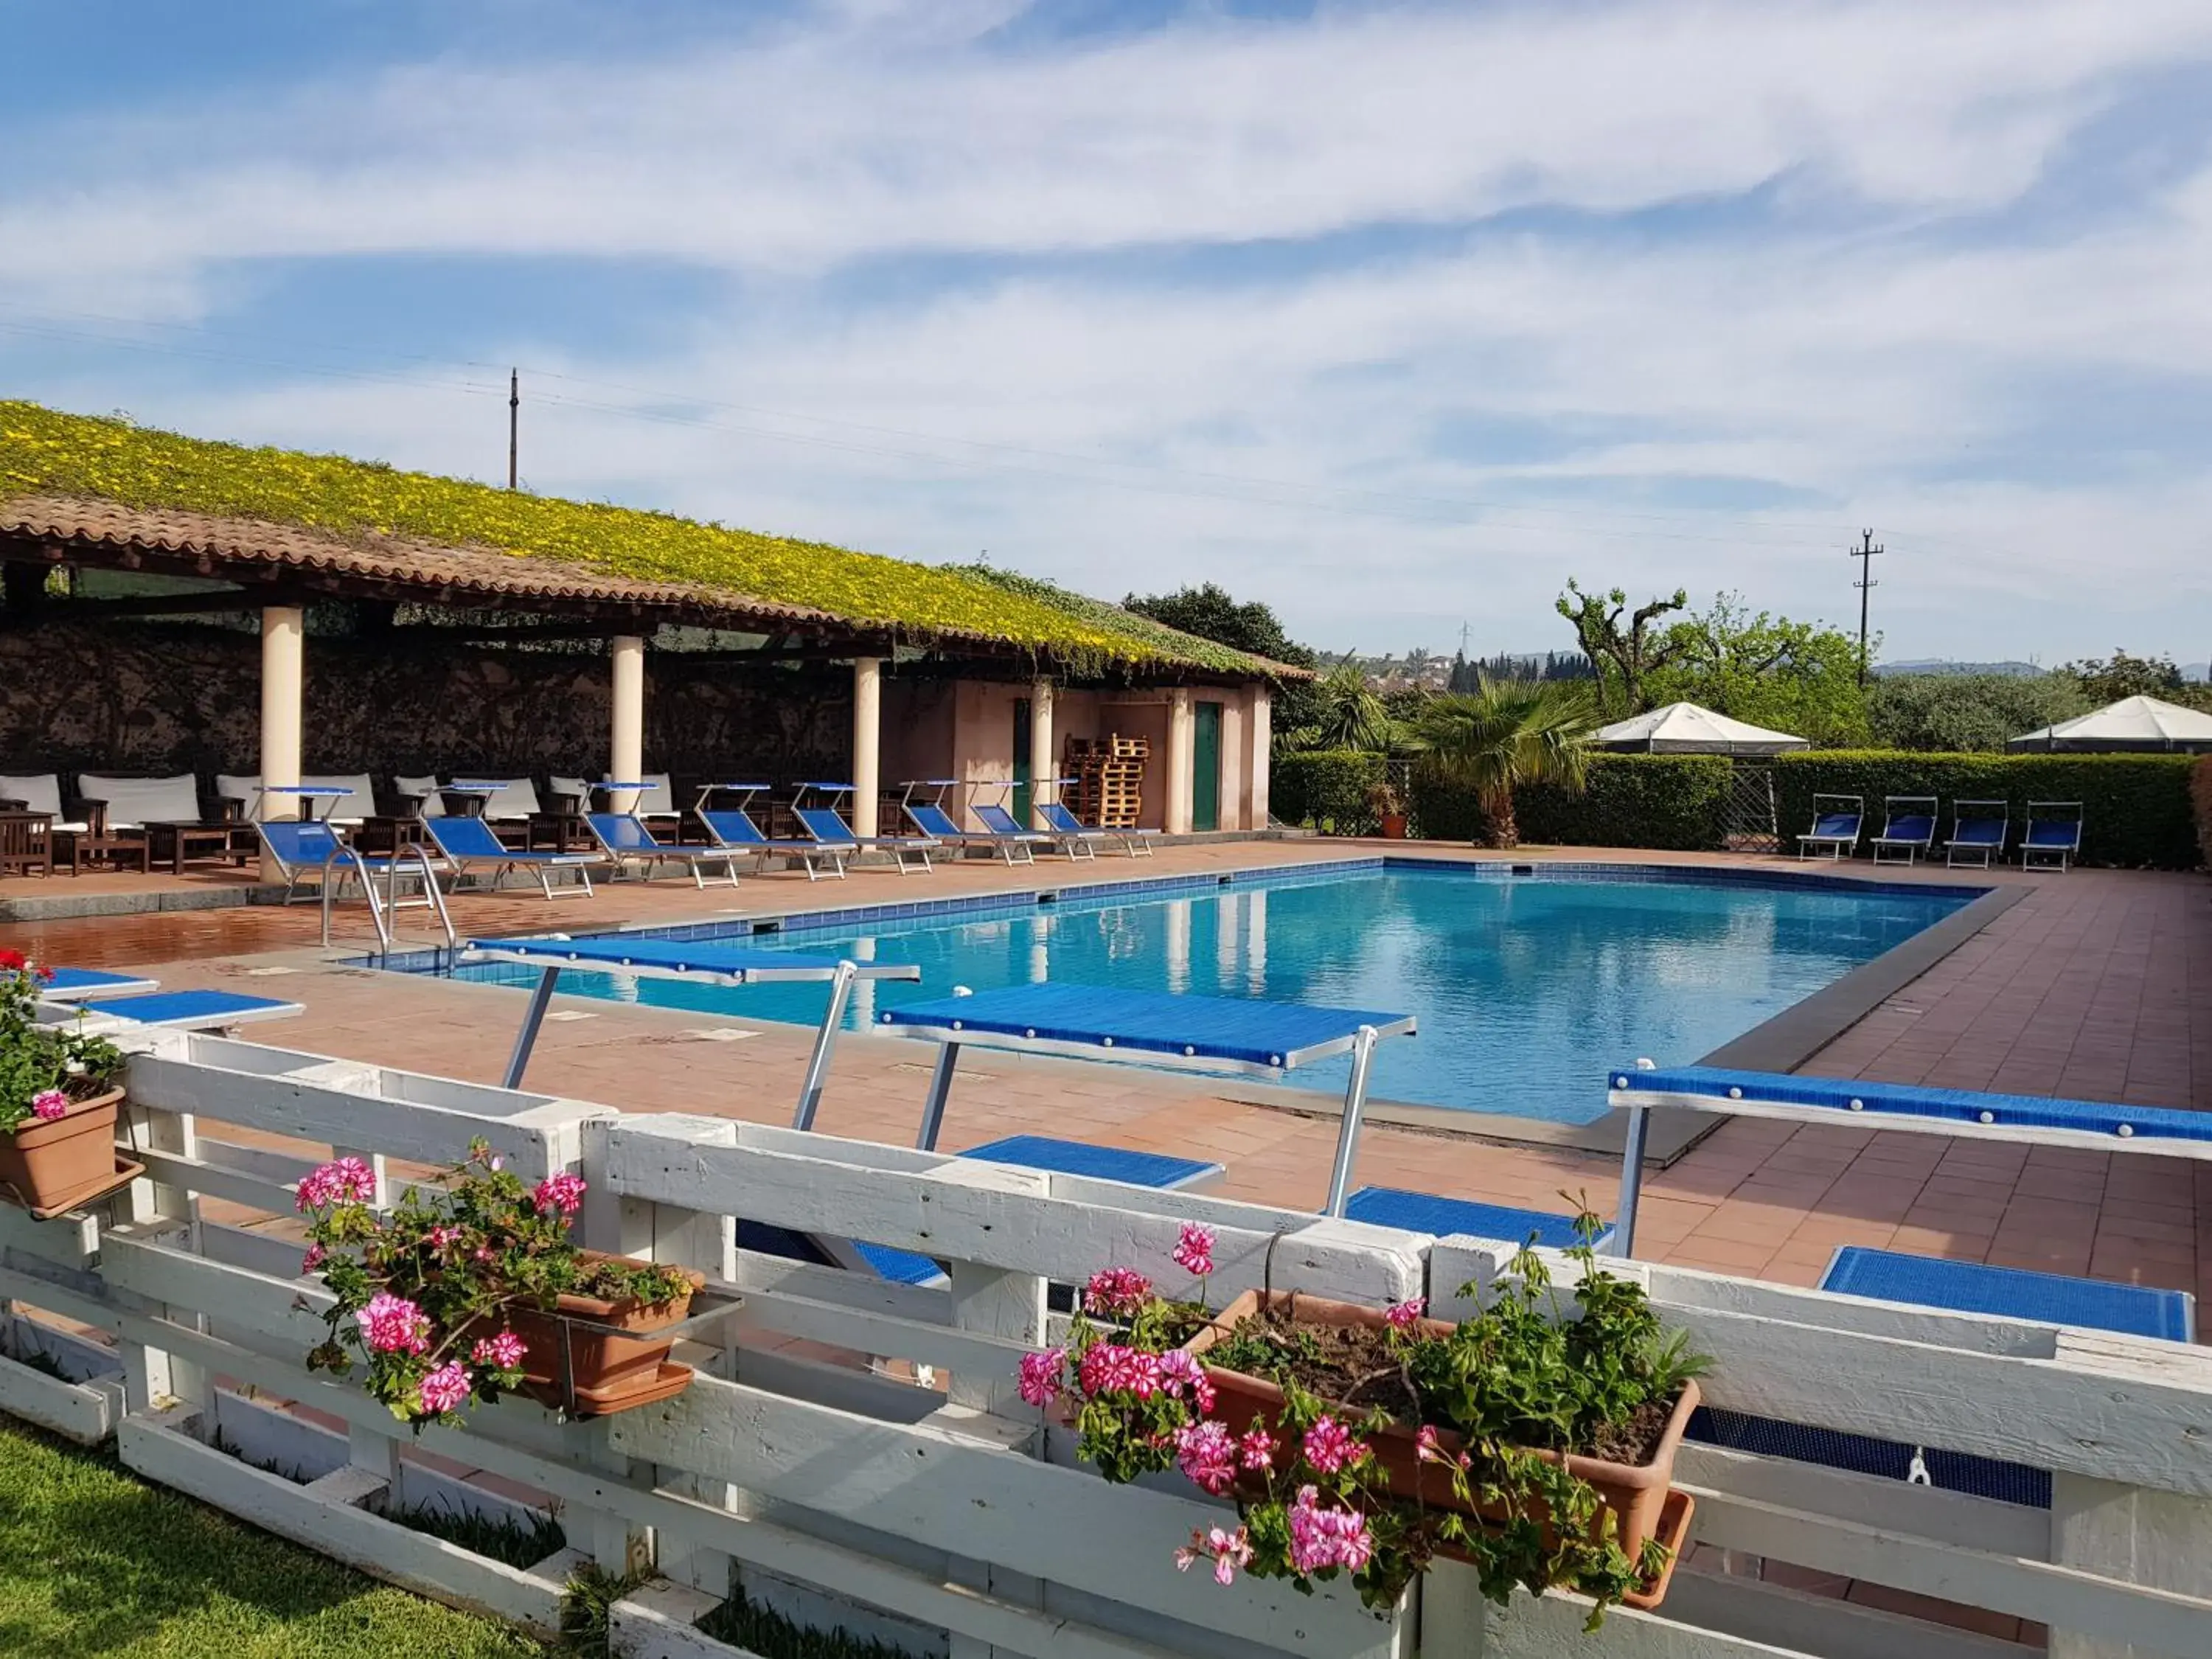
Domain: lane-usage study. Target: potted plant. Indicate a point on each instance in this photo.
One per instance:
(475, 1289)
(58, 1101)
(1534, 1441)
(1388, 808)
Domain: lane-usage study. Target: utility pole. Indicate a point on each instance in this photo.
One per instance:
(514, 421)
(1864, 553)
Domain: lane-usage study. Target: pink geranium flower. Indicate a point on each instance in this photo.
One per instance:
(341, 1181)
(392, 1324)
(1227, 1550)
(502, 1352)
(1207, 1452)
(1329, 1446)
(1040, 1377)
(1324, 1538)
(1114, 1368)
(1181, 1374)
(1115, 1292)
(445, 1388)
(48, 1104)
(1193, 1251)
(1405, 1315)
(313, 1260)
(1256, 1449)
(563, 1191)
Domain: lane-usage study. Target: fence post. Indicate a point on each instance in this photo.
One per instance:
(995, 1301)
(2134, 1535)
(151, 1376)
(701, 1239)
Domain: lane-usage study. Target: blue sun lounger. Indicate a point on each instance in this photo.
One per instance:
(1924, 1281)
(1908, 830)
(172, 1010)
(1151, 1028)
(834, 837)
(1427, 1212)
(733, 827)
(1837, 821)
(90, 984)
(2054, 831)
(626, 841)
(1012, 843)
(1081, 840)
(1979, 830)
(2095, 1304)
(469, 846)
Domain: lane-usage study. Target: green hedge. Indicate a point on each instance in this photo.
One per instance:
(2200, 789)
(1326, 787)
(2136, 808)
(1671, 801)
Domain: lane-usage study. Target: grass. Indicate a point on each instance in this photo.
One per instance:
(96, 1562)
(746, 1624)
(513, 1542)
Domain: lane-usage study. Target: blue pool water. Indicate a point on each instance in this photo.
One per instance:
(1525, 987)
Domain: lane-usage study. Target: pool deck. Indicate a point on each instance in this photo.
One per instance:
(2095, 984)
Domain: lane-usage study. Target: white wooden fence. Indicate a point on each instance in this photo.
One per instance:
(856, 1454)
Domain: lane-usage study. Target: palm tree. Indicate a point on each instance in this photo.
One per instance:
(1351, 716)
(1507, 732)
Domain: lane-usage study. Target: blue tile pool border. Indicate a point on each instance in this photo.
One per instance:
(983, 906)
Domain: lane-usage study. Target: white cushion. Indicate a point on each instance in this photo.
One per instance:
(346, 808)
(518, 800)
(40, 791)
(434, 804)
(134, 802)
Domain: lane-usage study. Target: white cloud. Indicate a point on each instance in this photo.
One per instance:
(1857, 351)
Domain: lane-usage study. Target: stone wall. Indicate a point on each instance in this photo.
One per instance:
(161, 698)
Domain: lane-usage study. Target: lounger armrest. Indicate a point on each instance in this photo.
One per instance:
(92, 811)
(9, 805)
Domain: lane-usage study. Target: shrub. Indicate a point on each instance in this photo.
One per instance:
(1675, 802)
(1958, 714)
(2136, 808)
(2200, 791)
(1327, 788)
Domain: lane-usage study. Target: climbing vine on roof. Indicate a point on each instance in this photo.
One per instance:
(1171, 643)
(45, 451)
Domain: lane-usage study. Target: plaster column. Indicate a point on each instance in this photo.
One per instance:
(1044, 770)
(282, 634)
(867, 742)
(1263, 742)
(626, 726)
(1182, 762)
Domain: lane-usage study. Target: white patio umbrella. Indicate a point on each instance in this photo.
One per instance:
(2130, 723)
(1684, 728)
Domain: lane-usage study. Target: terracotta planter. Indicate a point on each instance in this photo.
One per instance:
(48, 1166)
(606, 1372)
(1392, 826)
(1637, 1494)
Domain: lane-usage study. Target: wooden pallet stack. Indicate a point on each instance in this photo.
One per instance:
(1107, 786)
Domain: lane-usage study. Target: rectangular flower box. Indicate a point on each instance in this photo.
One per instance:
(1636, 1495)
(589, 1372)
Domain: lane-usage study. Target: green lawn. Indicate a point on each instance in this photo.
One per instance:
(93, 1561)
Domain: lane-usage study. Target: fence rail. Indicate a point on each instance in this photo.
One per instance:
(856, 1456)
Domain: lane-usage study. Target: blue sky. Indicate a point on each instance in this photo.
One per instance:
(1395, 315)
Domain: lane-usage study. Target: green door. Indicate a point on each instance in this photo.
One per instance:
(1205, 760)
(1020, 806)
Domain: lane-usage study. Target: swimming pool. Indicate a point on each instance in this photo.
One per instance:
(1525, 986)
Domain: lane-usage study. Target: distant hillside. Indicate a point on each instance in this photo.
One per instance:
(2019, 671)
